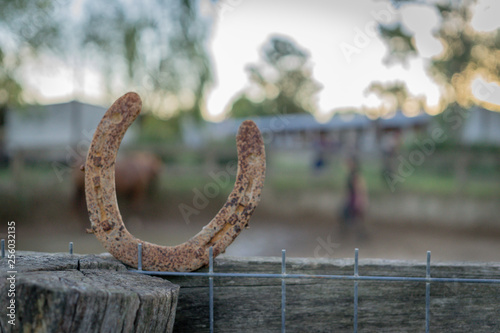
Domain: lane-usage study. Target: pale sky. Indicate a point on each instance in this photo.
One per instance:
(346, 53)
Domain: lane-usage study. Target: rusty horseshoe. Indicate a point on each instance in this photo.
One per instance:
(106, 221)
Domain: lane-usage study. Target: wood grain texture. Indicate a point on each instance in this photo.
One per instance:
(85, 293)
(253, 305)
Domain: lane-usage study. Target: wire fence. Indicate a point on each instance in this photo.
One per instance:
(355, 277)
(284, 276)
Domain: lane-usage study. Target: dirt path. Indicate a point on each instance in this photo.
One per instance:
(382, 241)
(301, 238)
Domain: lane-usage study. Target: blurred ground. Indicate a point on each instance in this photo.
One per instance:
(266, 237)
(46, 219)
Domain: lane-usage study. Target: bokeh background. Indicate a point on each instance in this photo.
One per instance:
(409, 89)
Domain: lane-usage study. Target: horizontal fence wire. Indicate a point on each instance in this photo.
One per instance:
(354, 277)
(328, 277)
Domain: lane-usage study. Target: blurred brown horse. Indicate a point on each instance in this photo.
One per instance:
(135, 175)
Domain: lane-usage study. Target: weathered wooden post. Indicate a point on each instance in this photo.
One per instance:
(56, 292)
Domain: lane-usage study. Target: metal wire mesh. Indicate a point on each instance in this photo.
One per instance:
(283, 276)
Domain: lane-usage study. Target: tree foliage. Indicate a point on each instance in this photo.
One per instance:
(467, 53)
(394, 96)
(283, 77)
(156, 47)
(28, 28)
(396, 90)
(399, 43)
(161, 44)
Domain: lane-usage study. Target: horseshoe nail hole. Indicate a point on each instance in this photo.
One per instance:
(116, 118)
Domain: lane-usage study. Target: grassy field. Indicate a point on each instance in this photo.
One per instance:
(41, 205)
(288, 174)
(285, 172)
(37, 191)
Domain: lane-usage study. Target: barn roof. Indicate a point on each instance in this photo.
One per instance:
(307, 122)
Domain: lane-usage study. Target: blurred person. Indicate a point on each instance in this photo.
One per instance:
(321, 145)
(390, 145)
(356, 200)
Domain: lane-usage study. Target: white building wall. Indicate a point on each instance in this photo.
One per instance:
(482, 126)
(55, 127)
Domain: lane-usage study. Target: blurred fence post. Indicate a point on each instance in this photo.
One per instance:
(17, 166)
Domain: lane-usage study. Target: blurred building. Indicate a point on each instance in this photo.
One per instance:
(54, 132)
(352, 132)
(482, 127)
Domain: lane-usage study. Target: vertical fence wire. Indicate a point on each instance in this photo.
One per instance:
(211, 286)
(427, 293)
(283, 291)
(355, 319)
(139, 257)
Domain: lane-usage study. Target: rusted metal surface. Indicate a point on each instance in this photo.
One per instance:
(106, 221)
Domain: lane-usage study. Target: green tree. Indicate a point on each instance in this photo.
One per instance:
(467, 53)
(161, 45)
(395, 96)
(29, 28)
(155, 47)
(283, 77)
(243, 107)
